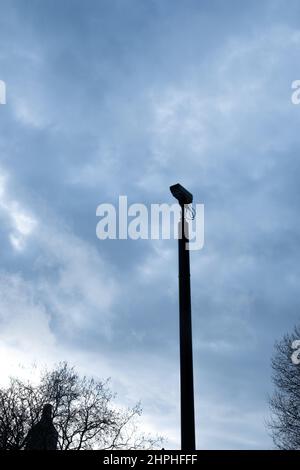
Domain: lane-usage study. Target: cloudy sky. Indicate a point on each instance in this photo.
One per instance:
(125, 97)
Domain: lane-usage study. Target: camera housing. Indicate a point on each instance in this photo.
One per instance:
(182, 195)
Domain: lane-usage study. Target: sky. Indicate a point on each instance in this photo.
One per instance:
(126, 97)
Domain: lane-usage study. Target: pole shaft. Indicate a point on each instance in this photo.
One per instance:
(186, 348)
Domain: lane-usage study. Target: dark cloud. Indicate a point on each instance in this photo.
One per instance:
(114, 97)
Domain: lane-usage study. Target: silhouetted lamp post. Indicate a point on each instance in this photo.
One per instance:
(185, 325)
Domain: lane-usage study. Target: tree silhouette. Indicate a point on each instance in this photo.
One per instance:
(83, 412)
(285, 402)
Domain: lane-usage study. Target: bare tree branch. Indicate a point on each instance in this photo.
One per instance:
(285, 402)
(83, 410)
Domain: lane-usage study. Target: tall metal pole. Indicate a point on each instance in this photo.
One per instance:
(186, 348)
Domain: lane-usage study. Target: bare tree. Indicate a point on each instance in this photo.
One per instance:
(285, 402)
(83, 410)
